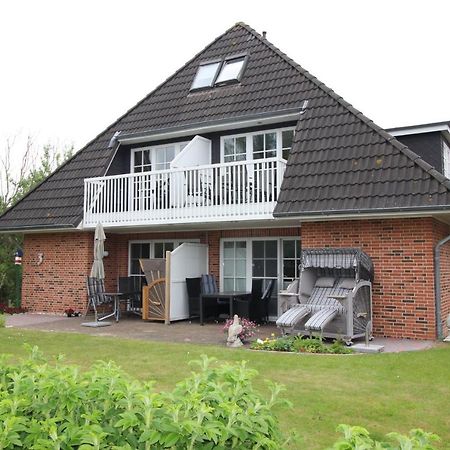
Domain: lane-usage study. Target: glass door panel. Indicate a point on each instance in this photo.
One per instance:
(234, 266)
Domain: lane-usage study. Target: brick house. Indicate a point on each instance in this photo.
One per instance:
(245, 151)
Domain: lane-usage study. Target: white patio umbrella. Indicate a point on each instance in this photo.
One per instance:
(98, 269)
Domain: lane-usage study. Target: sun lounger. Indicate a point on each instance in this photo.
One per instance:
(333, 295)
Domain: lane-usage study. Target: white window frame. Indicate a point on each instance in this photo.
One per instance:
(178, 148)
(152, 242)
(249, 256)
(249, 142)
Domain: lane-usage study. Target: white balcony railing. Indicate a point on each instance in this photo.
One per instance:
(208, 193)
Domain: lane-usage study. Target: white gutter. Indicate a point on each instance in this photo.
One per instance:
(418, 129)
(356, 216)
(199, 129)
(437, 285)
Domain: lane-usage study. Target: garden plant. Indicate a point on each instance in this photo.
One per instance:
(300, 344)
(56, 406)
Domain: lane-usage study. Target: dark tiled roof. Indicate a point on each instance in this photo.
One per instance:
(343, 163)
(340, 161)
(269, 84)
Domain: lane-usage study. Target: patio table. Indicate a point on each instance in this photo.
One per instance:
(225, 295)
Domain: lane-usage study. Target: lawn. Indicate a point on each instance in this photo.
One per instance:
(383, 392)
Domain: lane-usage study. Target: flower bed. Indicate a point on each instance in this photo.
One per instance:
(11, 309)
(298, 344)
(248, 328)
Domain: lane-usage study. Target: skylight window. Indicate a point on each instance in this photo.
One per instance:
(231, 70)
(206, 74)
(216, 73)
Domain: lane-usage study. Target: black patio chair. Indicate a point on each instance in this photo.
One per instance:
(251, 307)
(131, 287)
(265, 299)
(217, 307)
(193, 286)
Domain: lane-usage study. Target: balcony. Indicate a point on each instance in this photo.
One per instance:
(242, 190)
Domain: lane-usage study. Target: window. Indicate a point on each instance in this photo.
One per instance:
(286, 142)
(265, 259)
(231, 70)
(234, 266)
(257, 145)
(291, 260)
(219, 72)
(446, 159)
(149, 249)
(235, 149)
(138, 251)
(160, 248)
(206, 75)
(142, 161)
(264, 145)
(155, 158)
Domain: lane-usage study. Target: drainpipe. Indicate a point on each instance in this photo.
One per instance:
(437, 284)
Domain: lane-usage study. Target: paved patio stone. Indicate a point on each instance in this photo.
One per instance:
(132, 327)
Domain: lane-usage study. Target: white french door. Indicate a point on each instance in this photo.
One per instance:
(246, 259)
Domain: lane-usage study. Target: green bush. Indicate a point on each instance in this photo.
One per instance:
(358, 438)
(55, 406)
(300, 344)
(2, 320)
(309, 345)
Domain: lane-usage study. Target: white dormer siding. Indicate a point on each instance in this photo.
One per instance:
(446, 158)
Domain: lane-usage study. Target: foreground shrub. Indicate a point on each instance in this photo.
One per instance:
(358, 438)
(55, 406)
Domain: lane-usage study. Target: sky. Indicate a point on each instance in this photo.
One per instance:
(70, 68)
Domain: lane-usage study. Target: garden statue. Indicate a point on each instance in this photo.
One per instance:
(233, 333)
(447, 339)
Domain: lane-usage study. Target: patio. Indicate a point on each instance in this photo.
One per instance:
(132, 327)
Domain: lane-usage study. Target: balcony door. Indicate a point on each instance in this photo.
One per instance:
(150, 191)
(247, 259)
(255, 181)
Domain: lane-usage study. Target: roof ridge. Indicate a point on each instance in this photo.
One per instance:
(370, 123)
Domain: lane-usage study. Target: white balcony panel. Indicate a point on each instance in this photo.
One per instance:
(196, 153)
(207, 193)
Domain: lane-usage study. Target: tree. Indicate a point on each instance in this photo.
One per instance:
(34, 167)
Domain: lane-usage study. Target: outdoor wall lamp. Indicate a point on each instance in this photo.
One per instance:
(40, 259)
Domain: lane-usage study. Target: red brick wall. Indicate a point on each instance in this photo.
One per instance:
(60, 281)
(402, 252)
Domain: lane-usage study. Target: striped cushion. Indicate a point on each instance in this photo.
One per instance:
(319, 320)
(292, 316)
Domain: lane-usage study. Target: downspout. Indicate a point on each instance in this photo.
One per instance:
(437, 284)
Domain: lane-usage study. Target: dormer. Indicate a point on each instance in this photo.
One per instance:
(430, 141)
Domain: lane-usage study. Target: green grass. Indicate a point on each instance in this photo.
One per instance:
(385, 392)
